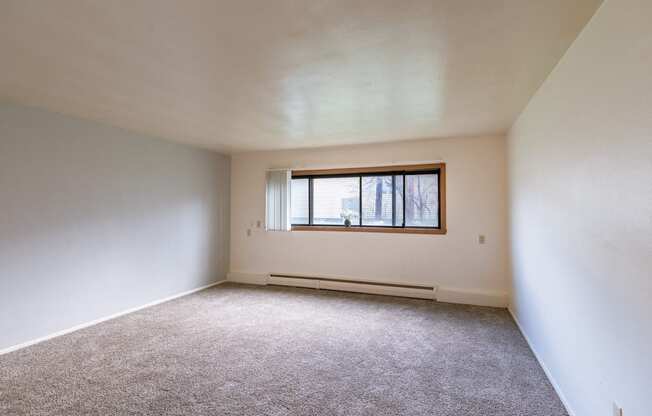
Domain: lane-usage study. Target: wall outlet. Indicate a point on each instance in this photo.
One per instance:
(618, 411)
(481, 239)
(258, 223)
(248, 232)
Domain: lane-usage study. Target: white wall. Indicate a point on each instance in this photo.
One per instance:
(476, 200)
(580, 161)
(95, 220)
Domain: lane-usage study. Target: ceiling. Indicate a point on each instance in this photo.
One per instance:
(239, 75)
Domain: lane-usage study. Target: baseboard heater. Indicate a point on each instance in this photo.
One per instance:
(348, 285)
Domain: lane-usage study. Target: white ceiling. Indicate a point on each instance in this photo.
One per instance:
(237, 75)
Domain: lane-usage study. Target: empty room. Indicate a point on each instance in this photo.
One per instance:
(326, 207)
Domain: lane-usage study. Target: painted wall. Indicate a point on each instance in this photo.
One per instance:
(476, 200)
(580, 160)
(95, 220)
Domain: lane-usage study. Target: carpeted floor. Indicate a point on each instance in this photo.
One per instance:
(244, 350)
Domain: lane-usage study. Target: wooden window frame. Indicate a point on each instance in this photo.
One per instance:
(440, 168)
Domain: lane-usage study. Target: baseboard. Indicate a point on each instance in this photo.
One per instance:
(104, 319)
(472, 297)
(552, 380)
(247, 278)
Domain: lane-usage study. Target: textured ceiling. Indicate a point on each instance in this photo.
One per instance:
(237, 75)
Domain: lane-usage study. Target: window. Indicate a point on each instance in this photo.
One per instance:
(300, 211)
(421, 202)
(377, 201)
(335, 200)
(408, 199)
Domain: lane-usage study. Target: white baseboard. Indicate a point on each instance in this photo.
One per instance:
(104, 319)
(472, 297)
(552, 380)
(247, 278)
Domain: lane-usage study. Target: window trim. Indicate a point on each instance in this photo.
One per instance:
(438, 168)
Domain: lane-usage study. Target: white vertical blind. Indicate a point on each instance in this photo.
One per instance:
(278, 200)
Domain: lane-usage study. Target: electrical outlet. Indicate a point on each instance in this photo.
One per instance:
(481, 239)
(618, 411)
(258, 223)
(248, 232)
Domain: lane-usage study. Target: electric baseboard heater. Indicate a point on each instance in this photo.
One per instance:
(349, 285)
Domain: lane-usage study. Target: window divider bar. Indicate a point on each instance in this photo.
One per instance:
(310, 202)
(360, 201)
(393, 200)
(438, 198)
(404, 192)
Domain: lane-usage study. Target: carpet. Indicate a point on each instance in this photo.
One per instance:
(248, 350)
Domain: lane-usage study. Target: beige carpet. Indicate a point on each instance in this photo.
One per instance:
(243, 350)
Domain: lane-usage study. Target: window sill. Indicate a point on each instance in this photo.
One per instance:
(369, 229)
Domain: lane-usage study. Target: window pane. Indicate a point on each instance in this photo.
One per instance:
(336, 199)
(421, 200)
(299, 200)
(399, 200)
(377, 200)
